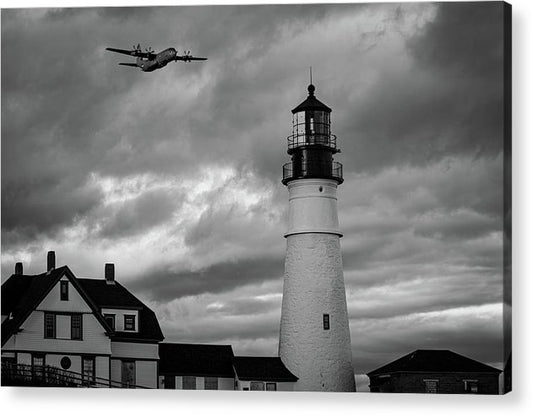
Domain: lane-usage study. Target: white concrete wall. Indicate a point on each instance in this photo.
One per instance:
(313, 206)
(314, 286)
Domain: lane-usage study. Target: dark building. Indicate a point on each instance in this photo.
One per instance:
(196, 367)
(214, 367)
(435, 371)
(263, 373)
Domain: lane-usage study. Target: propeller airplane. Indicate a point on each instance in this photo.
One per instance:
(149, 61)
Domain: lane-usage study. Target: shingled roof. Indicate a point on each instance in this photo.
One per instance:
(438, 361)
(262, 368)
(201, 360)
(117, 296)
(21, 294)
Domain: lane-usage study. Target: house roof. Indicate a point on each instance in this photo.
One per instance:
(440, 361)
(196, 359)
(21, 294)
(117, 296)
(262, 368)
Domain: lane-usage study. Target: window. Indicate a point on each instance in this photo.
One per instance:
(471, 386)
(189, 383)
(128, 374)
(87, 371)
(37, 365)
(110, 320)
(271, 386)
(129, 322)
(63, 284)
(49, 325)
(431, 386)
(257, 385)
(65, 363)
(76, 327)
(169, 382)
(211, 383)
(325, 321)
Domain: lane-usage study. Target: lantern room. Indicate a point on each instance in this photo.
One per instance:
(311, 144)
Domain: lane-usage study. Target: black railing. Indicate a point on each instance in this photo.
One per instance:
(48, 376)
(312, 169)
(312, 139)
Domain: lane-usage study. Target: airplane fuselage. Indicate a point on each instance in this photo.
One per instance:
(161, 60)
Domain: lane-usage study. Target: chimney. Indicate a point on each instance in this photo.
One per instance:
(51, 261)
(19, 269)
(110, 273)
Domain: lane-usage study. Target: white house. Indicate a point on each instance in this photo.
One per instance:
(94, 330)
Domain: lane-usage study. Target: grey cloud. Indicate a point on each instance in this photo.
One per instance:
(472, 342)
(454, 226)
(245, 307)
(135, 216)
(165, 284)
(449, 101)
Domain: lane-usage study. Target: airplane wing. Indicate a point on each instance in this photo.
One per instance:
(133, 52)
(128, 64)
(188, 58)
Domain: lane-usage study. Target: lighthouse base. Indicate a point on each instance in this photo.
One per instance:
(314, 333)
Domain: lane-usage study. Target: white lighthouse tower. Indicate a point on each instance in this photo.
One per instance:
(314, 340)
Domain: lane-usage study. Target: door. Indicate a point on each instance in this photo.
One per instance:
(87, 371)
(128, 374)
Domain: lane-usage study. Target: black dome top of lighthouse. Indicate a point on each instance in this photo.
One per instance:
(311, 103)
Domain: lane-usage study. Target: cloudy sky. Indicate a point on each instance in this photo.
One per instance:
(175, 175)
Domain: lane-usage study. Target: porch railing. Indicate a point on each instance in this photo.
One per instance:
(48, 376)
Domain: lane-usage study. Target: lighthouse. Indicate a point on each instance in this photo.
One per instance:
(314, 340)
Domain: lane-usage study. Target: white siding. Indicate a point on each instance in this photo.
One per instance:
(200, 383)
(102, 367)
(75, 302)
(226, 383)
(280, 386)
(32, 337)
(116, 370)
(134, 350)
(54, 360)
(146, 374)
(285, 386)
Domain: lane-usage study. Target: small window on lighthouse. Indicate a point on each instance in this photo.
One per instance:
(325, 321)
